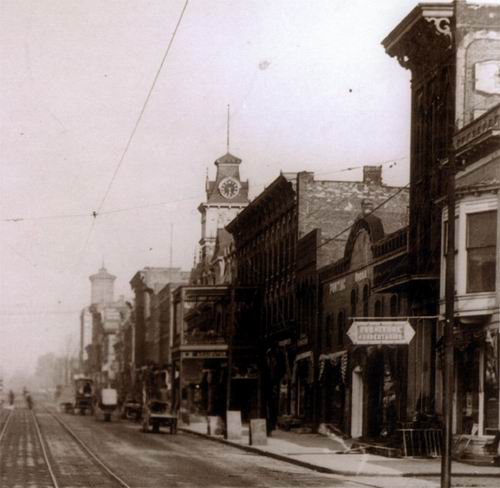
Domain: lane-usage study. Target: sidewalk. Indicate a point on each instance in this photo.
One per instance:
(321, 453)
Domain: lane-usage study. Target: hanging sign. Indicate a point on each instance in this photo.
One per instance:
(203, 354)
(375, 332)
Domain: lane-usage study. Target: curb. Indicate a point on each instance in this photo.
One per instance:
(323, 469)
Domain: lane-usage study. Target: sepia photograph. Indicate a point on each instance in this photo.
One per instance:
(249, 243)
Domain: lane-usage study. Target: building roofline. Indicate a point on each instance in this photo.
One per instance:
(420, 11)
(282, 178)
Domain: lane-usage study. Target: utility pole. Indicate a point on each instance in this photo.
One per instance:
(448, 371)
(230, 334)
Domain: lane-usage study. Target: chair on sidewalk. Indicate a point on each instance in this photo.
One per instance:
(459, 446)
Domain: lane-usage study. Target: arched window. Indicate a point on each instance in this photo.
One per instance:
(394, 306)
(340, 328)
(354, 299)
(379, 308)
(366, 294)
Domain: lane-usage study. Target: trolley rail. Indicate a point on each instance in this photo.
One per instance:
(52, 475)
(5, 424)
(85, 448)
(44, 451)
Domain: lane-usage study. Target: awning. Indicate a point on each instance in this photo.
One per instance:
(334, 358)
(303, 355)
(300, 358)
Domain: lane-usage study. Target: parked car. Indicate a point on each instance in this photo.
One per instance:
(156, 414)
(66, 399)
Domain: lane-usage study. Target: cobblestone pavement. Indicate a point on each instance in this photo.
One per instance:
(72, 466)
(154, 460)
(159, 460)
(21, 459)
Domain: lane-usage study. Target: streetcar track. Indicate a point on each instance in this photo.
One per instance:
(83, 446)
(5, 425)
(44, 451)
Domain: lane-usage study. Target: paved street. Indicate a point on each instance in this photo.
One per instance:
(21, 458)
(184, 460)
(153, 460)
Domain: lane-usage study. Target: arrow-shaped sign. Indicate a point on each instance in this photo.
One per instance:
(374, 332)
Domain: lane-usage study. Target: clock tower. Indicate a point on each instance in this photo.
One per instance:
(227, 195)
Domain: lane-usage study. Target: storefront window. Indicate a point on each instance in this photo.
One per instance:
(481, 247)
(468, 389)
(491, 384)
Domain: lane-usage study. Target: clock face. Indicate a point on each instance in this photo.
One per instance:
(229, 187)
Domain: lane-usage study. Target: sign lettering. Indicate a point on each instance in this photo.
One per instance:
(381, 332)
(204, 354)
(337, 286)
(361, 275)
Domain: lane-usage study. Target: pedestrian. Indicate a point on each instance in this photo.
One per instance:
(29, 400)
(11, 397)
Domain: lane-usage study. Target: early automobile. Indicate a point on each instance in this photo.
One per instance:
(132, 409)
(156, 414)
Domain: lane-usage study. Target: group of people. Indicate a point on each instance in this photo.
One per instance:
(26, 395)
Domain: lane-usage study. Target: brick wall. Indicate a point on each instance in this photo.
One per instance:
(333, 206)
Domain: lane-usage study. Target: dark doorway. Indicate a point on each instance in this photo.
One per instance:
(375, 393)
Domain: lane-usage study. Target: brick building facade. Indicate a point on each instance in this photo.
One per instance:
(363, 389)
(297, 210)
(453, 53)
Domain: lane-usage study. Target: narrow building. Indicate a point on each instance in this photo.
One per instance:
(453, 53)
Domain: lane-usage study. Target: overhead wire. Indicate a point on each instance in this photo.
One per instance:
(143, 109)
(18, 219)
(95, 213)
(380, 205)
(91, 214)
(390, 162)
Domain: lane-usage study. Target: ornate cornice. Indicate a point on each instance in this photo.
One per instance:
(423, 39)
(442, 25)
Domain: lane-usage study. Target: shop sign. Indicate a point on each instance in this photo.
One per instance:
(204, 354)
(337, 286)
(361, 275)
(380, 332)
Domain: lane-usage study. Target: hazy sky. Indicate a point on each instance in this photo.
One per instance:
(310, 88)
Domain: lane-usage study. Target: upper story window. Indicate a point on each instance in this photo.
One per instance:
(481, 250)
(366, 296)
(354, 300)
(340, 328)
(394, 306)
